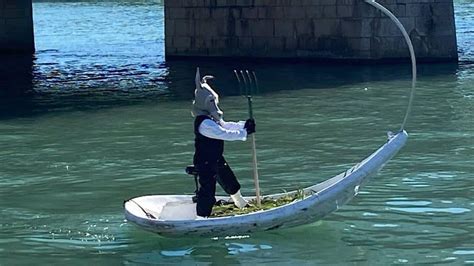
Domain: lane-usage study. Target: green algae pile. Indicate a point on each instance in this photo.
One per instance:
(223, 209)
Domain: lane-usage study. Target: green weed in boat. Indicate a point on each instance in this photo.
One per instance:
(229, 209)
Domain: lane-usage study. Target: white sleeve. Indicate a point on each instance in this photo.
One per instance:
(232, 125)
(213, 130)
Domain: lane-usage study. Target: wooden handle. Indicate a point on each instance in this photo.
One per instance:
(254, 157)
(255, 171)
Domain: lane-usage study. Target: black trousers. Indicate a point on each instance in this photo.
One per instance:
(209, 173)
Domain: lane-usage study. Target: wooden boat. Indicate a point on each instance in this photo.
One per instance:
(323, 198)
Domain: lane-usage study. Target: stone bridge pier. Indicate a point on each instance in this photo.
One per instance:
(309, 29)
(16, 27)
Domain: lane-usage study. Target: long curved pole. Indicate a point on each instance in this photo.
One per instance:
(412, 55)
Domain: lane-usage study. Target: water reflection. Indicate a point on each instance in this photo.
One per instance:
(16, 83)
(16, 76)
(261, 247)
(27, 92)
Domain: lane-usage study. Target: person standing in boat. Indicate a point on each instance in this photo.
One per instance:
(210, 133)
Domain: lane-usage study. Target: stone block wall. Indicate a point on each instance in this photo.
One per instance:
(16, 26)
(309, 29)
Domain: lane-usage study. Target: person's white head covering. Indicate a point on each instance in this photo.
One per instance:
(206, 100)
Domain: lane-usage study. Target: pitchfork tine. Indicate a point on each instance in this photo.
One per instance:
(251, 83)
(238, 79)
(245, 82)
(256, 82)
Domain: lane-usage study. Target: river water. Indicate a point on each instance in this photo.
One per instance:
(98, 116)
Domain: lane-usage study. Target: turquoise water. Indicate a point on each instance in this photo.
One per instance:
(105, 118)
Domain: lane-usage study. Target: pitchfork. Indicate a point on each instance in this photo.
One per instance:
(248, 83)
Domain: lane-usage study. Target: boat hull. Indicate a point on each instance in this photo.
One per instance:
(325, 197)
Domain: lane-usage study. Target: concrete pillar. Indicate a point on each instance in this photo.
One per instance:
(309, 29)
(16, 27)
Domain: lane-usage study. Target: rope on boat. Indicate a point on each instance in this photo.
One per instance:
(412, 55)
(148, 214)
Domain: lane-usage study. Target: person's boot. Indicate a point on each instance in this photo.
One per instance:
(239, 201)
